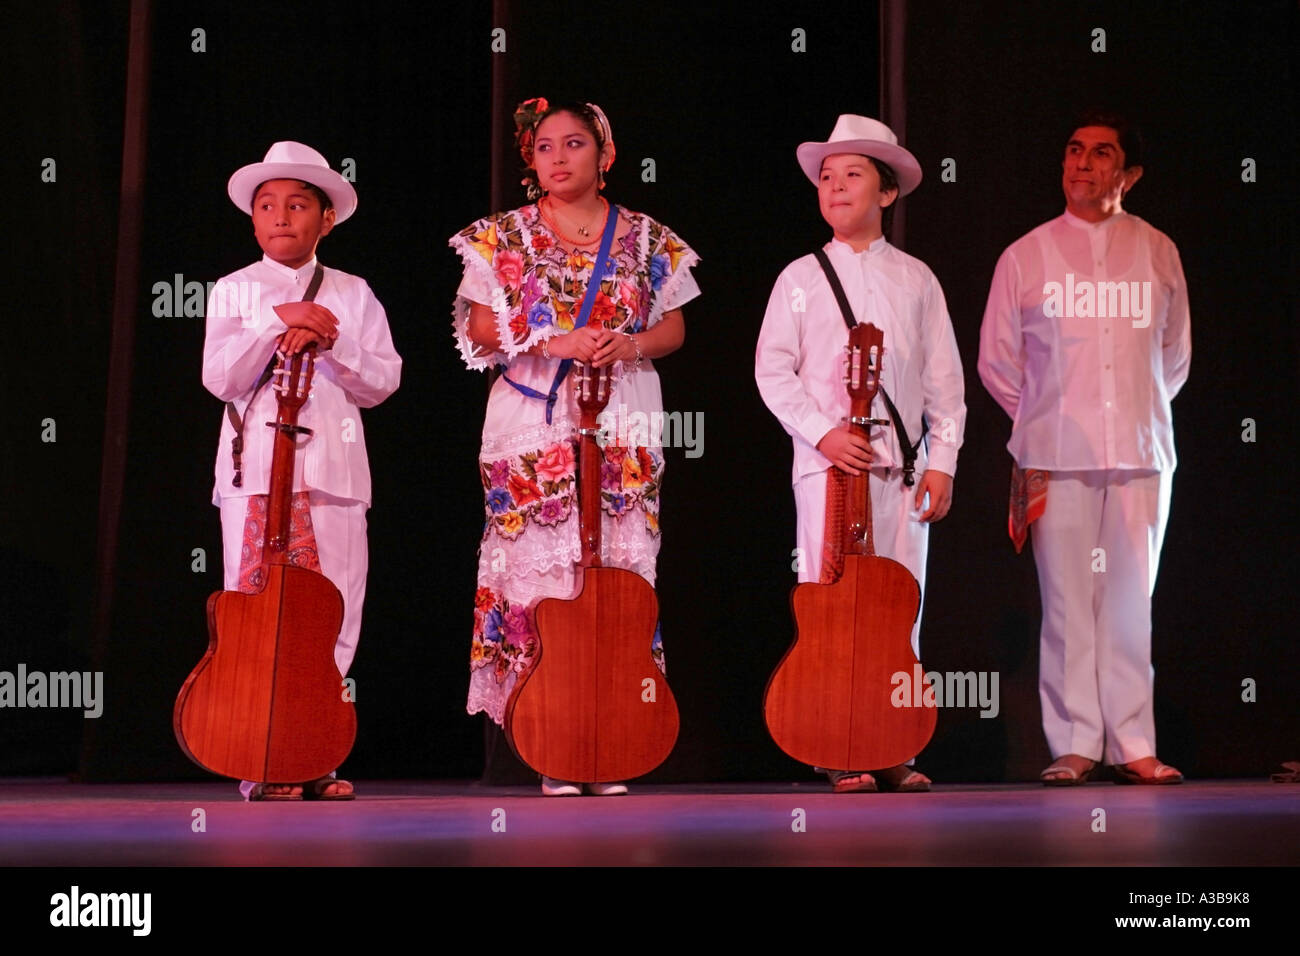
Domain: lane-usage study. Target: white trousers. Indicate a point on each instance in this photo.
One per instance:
(896, 532)
(340, 528)
(1097, 547)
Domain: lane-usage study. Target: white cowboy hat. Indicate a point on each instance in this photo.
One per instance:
(866, 137)
(289, 160)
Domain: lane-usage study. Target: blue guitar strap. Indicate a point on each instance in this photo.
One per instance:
(598, 273)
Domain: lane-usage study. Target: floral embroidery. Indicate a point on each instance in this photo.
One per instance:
(509, 267)
(557, 462)
(543, 284)
(541, 486)
(505, 637)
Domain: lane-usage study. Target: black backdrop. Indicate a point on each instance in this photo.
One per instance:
(719, 100)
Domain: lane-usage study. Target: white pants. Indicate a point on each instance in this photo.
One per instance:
(340, 528)
(896, 532)
(1097, 547)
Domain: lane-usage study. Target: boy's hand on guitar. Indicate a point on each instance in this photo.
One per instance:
(846, 449)
(939, 486)
(295, 340)
(580, 344)
(309, 315)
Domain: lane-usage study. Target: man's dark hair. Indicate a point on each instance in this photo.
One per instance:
(1130, 138)
(325, 202)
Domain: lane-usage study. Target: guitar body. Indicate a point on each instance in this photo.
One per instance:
(594, 707)
(828, 702)
(266, 702)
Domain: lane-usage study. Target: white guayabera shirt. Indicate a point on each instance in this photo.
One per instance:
(1086, 339)
(360, 371)
(799, 366)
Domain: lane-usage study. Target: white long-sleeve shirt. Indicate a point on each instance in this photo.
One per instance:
(361, 370)
(1086, 339)
(799, 365)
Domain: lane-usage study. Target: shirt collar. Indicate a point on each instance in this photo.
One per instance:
(877, 246)
(1078, 223)
(300, 276)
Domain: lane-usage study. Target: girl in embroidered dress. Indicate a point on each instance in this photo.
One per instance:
(526, 273)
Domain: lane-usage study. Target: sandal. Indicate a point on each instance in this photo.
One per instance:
(259, 793)
(851, 781)
(912, 781)
(315, 789)
(1292, 774)
(1072, 778)
(1159, 778)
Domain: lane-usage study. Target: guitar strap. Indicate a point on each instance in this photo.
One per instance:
(237, 420)
(599, 270)
(904, 443)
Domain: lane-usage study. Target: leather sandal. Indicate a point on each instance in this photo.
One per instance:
(260, 794)
(851, 781)
(1072, 778)
(913, 781)
(1159, 778)
(315, 789)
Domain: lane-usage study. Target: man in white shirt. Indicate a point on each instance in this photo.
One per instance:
(1086, 339)
(799, 368)
(295, 199)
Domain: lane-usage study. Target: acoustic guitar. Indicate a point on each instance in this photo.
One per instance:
(266, 702)
(828, 703)
(594, 708)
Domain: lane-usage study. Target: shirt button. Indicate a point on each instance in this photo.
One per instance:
(1108, 368)
(1108, 404)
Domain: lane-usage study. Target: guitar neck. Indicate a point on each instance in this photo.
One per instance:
(590, 460)
(296, 379)
(858, 537)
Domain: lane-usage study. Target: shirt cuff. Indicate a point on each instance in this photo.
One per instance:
(265, 320)
(815, 427)
(942, 458)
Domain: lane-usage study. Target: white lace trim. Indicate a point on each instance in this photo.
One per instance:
(523, 562)
(526, 439)
(486, 695)
(473, 355)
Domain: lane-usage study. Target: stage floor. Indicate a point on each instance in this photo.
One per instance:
(1221, 823)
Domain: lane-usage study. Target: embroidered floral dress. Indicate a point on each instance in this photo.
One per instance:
(515, 265)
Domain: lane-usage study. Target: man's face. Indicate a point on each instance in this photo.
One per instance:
(288, 221)
(849, 193)
(1094, 177)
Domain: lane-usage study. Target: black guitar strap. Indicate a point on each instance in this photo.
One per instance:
(237, 420)
(904, 443)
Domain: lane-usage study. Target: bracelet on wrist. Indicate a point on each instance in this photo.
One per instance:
(636, 345)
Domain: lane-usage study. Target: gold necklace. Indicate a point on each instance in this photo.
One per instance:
(549, 214)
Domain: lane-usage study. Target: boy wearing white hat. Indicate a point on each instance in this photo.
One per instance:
(295, 199)
(859, 173)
